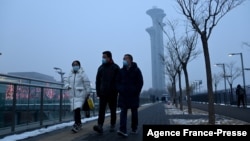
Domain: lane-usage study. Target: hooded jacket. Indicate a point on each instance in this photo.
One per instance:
(78, 85)
(129, 85)
(240, 91)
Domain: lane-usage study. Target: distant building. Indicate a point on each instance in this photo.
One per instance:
(157, 50)
(33, 75)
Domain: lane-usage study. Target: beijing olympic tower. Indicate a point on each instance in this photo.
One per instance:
(157, 49)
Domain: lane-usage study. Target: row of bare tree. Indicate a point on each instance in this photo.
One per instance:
(201, 18)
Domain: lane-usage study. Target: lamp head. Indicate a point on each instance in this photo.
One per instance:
(231, 54)
(219, 64)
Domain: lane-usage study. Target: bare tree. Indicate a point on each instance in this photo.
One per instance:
(186, 53)
(246, 44)
(185, 49)
(203, 17)
(179, 70)
(170, 89)
(172, 67)
(232, 74)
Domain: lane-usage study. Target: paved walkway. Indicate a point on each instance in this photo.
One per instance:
(155, 114)
(148, 114)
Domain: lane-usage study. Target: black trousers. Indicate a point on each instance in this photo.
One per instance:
(241, 99)
(123, 119)
(112, 104)
(77, 116)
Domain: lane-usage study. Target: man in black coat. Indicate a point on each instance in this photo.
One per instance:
(106, 90)
(129, 85)
(240, 92)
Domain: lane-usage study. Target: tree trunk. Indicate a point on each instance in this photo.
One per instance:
(180, 88)
(187, 88)
(211, 112)
(174, 93)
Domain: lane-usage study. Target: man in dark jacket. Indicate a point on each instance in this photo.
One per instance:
(106, 90)
(240, 92)
(129, 85)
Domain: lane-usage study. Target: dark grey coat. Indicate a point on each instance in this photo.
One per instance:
(129, 85)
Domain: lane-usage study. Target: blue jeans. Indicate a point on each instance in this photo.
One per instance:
(123, 119)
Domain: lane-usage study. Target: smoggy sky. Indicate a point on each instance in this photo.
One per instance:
(37, 35)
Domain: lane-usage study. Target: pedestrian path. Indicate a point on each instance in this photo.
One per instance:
(149, 114)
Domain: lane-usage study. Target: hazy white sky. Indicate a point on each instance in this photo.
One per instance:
(37, 35)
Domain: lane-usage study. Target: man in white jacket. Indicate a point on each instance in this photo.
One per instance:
(78, 85)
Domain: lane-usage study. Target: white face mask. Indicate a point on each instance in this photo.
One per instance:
(76, 68)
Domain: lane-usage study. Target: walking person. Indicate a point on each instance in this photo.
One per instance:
(129, 85)
(106, 91)
(240, 92)
(78, 85)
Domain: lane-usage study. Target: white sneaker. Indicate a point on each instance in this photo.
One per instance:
(122, 133)
(75, 128)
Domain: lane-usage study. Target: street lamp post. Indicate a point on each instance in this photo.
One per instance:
(224, 76)
(248, 69)
(59, 71)
(243, 72)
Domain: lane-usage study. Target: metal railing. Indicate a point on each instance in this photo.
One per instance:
(221, 97)
(26, 104)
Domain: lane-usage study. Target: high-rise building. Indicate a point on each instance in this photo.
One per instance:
(157, 49)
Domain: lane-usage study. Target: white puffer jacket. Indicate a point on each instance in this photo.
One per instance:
(78, 85)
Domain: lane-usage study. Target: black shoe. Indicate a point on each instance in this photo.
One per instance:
(112, 128)
(98, 128)
(134, 131)
(122, 133)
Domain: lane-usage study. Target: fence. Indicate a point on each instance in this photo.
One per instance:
(221, 97)
(27, 104)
